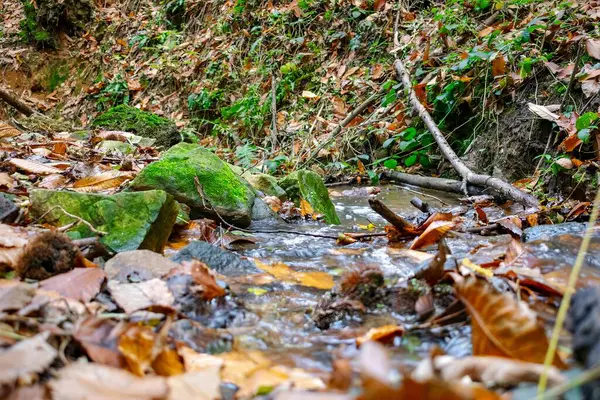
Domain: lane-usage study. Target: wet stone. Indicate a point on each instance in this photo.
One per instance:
(546, 232)
(221, 261)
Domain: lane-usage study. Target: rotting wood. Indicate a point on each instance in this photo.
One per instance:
(15, 102)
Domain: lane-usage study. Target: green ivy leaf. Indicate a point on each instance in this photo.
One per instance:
(391, 163)
(409, 133)
(411, 160)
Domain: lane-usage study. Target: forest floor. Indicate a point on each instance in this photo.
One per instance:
(208, 199)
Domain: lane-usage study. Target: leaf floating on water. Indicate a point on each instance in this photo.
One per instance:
(257, 291)
(383, 334)
(432, 234)
(503, 326)
(282, 272)
(34, 167)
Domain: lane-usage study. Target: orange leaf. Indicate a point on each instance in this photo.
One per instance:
(382, 334)
(486, 31)
(203, 277)
(361, 167)
(305, 208)
(137, 346)
(503, 326)
(532, 219)
(481, 215)
(378, 5)
(570, 143)
(421, 93)
(432, 234)
(498, 66)
(168, 363)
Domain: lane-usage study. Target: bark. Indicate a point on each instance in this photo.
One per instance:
(17, 103)
(429, 182)
(397, 221)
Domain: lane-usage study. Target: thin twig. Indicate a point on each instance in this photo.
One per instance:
(423, 194)
(78, 219)
(566, 300)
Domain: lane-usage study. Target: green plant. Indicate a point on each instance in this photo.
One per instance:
(586, 124)
(31, 31)
(275, 163)
(246, 155)
(203, 101)
(115, 92)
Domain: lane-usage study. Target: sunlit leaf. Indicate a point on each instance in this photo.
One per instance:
(434, 232)
(282, 272)
(137, 344)
(34, 167)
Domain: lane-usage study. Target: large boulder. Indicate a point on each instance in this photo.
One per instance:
(309, 186)
(130, 119)
(224, 194)
(131, 221)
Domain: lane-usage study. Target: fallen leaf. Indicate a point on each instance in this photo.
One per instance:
(96, 381)
(493, 371)
(590, 87)
(481, 215)
(383, 334)
(341, 376)
(82, 284)
(198, 385)
(8, 131)
(53, 181)
(501, 325)
(309, 95)
(470, 265)
(15, 295)
(26, 358)
(512, 224)
(498, 66)
(135, 296)
(486, 31)
(570, 143)
(577, 210)
(138, 345)
(593, 48)
(306, 209)
(542, 112)
(282, 272)
(103, 181)
(378, 5)
(565, 163)
(202, 277)
(432, 234)
(168, 363)
(34, 167)
(100, 338)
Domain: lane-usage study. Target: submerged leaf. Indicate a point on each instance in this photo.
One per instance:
(317, 279)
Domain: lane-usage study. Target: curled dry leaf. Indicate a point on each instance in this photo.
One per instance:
(203, 277)
(34, 167)
(26, 358)
(497, 371)
(543, 112)
(82, 284)
(103, 181)
(503, 326)
(434, 232)
(383, 334)
(134, 296)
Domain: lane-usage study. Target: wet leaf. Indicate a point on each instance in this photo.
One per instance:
(512, 225)
(514, 251)
(82, 284)
(341, 376)
(503, 326)
(26, 358)
(135, 296)
(257, 291)
(432, 234)
(202, 277)
(34, 167)
(53, 181)
(282, 272)
(434, 270)
(383, 334)
(481, 215)
(466, 263)
(96, 381)
(138, 345)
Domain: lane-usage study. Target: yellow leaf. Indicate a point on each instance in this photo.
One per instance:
(474, 267)
(103, 181)
(361, 167)
(382, 334)
(306, 208)
(282, 272)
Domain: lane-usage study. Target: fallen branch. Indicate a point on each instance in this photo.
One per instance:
(505, 189)
(397, 221)
(273, 114)
(429, 182)
(357, 111)
(15, 102)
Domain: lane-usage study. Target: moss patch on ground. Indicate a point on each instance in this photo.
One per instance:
(130, 119)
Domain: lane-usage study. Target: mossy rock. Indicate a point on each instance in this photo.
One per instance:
(225, 194)
(130, 119)
(310, 187)
(265, 184)
(132, 221)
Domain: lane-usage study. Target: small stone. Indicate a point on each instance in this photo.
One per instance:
(221, 261)
(8, 210)
(309, 186)
(131, 221)
(138, 266)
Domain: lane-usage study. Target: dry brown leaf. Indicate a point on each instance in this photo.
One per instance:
(134, 296)
(103, 181)
(15, 295)
(82, 284)
(496, 371)
(34, 167)
(481, 215)
(26, 358)
(593, 48)
(199, 385)
(138, 344)
(100, 382)
(498, 66)
(486, 31)
(383, 334)
(8, 131)
(168, 363)
(53, 181)
(273, 202)
(434, 232)
(503, 326)
(12, 243)
(203, 277)
(99, 338)
(282, 272)
(6, 180)
(512, 224)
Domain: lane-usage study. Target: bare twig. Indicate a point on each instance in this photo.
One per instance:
(17, 103)
(75, 217)
(273, 113)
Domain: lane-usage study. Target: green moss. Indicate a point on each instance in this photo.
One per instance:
(131, 220)
(222, 189)
(266, 184)
(130, 119)
(310, 187)
(31, 31)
